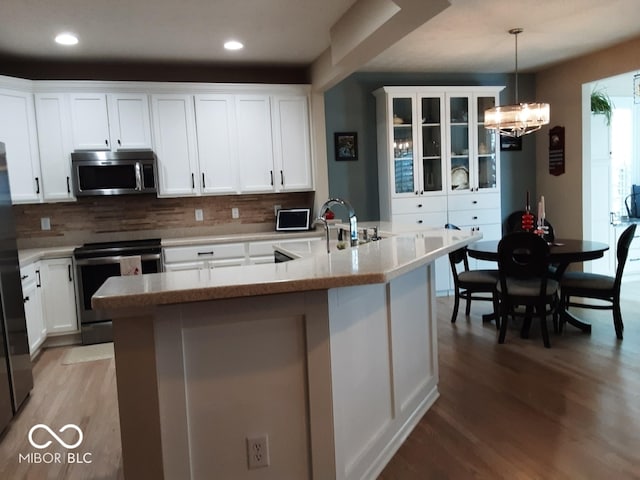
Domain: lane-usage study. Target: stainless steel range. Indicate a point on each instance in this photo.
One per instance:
(95, 262)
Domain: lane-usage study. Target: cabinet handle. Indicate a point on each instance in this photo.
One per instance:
(419, 221)
(203, 184)
(39, 283)
(24, 277)
(475, 202)
(25, 299)
(193, 181)
(201, 254)
(634, 259)
(70, 278)
(281, 178)
(416, 192)
(37, 185)
(419, 205)
(421, 192)
(68, 186)
(271, 174)
(119, 143)
(475, 218)
(106, 142)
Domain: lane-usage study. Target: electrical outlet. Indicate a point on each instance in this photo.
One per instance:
(199, 215)
(45, 223)
(258, 451)
(275, 209)
(235, 213)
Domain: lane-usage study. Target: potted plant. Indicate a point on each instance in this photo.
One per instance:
(601, 104)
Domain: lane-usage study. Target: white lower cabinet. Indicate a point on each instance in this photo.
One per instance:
(424, 211)
(214, 255)
(33, 311)
(198, 257)
(58, 295)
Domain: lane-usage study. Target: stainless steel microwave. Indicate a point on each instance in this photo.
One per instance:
(113, 173)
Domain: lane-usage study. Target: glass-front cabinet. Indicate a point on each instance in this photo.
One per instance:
(473, 149)
(417, 139)
(437, 163)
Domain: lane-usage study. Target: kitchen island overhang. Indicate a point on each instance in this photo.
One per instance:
(332, 357)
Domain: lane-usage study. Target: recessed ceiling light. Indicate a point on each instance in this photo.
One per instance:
(233, 45)
(66, 38)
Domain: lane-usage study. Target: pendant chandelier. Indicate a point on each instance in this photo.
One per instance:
(520, 118)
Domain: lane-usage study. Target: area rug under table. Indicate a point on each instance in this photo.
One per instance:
(88, 353)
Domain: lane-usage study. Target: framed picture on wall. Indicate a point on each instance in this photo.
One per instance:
(510, 143)
(346, 145)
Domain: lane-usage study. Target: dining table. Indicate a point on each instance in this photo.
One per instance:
(562, 252)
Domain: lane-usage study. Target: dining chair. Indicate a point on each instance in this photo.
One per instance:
(469, 284)
(599, 287)
(523, 263)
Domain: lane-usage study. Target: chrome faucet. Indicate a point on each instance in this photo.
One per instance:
(323, 221)
(353, 221)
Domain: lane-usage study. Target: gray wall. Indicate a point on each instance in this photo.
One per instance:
(350, 107)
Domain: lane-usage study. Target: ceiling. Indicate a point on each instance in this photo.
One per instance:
(468, 36)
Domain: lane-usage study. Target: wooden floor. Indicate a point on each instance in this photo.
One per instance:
(512, 411)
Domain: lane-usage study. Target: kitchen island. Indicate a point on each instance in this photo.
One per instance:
(325, 362)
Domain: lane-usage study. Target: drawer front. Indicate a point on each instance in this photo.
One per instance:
(474, 201)
(418, 205)
(425, 219)
(474, 217)
(203, 252)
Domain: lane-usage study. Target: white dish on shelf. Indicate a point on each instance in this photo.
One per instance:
(459, 178)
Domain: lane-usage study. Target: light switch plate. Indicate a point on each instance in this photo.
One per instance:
(45, 223)
(199, 215)
(235, 213)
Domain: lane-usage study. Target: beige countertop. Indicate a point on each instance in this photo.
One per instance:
(374, 262)
(31, 255)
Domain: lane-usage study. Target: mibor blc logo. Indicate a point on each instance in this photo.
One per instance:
(55, 457)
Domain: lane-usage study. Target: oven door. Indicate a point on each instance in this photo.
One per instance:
(91, 274)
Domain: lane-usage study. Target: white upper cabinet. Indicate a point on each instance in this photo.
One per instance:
(291, 143)
(217, 144)
(18, 133)
(174, 133)
(129, 121)
(474, 153)
(110, 121)
(255, 144)
(54, 140)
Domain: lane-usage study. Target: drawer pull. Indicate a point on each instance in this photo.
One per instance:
(419, 205)
(201, 254)
(419, 221)
(634, 259)
(475, 202)
(24, 277)
(475, 218)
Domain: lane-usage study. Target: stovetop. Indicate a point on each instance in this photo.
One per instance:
(125, 247)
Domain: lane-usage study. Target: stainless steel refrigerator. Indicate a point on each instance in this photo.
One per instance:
(16, 379)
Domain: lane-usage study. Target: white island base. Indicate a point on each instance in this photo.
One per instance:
(335, 378)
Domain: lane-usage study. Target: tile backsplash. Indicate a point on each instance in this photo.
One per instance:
(93, 219)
